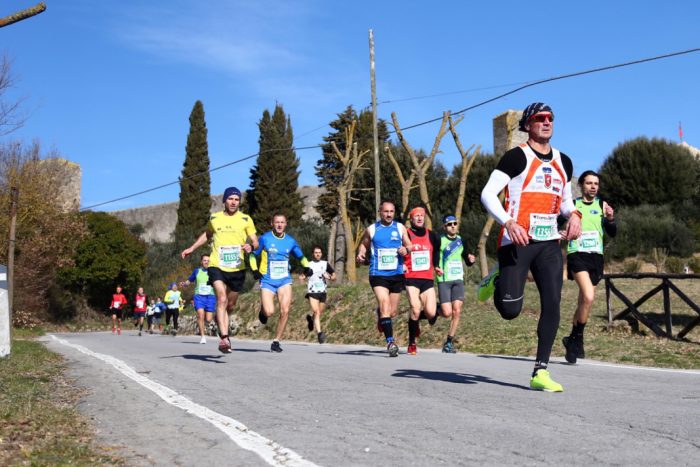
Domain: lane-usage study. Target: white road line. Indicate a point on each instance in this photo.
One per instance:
(642, 368)
(270, 451)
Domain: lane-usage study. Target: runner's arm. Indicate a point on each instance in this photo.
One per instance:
(201, 240)
(489, 196)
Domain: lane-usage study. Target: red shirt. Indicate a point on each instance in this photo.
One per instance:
(118, 301)
(419, 261)
(140, 303)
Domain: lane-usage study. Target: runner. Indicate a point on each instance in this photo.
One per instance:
(537, 178)
(229, 230)
(274, 251)
(172, 300)
(584, 261)
(316, 291)
(204, 298)
(388, 243)
(140, 306)
(160, 310)
(421, 265)
(150, 315)
(453, 250)
(116, 308)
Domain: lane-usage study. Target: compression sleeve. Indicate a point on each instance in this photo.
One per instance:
(304, 262)
(567, 202)
(610, 227)
(435, 242)
(489, 196)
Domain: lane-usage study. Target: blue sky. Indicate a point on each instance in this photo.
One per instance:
(110, 84)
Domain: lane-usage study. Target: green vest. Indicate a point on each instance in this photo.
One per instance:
(591, 239)
(450, 261)
(201, 286)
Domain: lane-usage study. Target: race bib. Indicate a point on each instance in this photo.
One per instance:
(279, 269)
(204, 289)
(543, 227)
(230, 256)
(420, 260)
(387, 259)
(589, 242)
(139, 303)
(117, 304)
(455, 269)
(317, 284)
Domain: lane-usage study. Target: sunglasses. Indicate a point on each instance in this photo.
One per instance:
(450, 224)
(541, 118)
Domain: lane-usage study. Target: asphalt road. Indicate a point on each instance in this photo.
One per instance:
(164, 400)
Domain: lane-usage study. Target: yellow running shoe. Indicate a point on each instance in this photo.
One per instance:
(487, 286)
(542, 382)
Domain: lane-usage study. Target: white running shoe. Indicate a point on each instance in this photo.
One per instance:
(203, 340)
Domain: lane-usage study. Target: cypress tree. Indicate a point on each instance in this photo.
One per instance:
(274, 179)
(195, 183)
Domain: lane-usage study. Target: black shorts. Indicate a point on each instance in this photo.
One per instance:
(395, 284)
(421, 284)
(592, 263)
(118, 312)
(320, 296)
(233, 280)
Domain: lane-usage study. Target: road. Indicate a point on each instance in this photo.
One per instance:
(170, 401)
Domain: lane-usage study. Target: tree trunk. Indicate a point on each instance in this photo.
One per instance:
(482, 246)
(340, 249)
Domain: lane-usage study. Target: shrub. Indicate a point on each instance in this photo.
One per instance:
(631, 265)
(675, 264)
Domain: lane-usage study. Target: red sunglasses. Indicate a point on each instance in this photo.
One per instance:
(541, 118)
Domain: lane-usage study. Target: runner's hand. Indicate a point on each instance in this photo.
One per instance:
(247, 248)
(308, 272)
(257, 275)
(573, 228)
(517, 233)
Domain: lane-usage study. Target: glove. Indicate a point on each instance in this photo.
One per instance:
(308, 272)
(257, 275)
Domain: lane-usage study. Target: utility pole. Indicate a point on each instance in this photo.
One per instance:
(377, 175)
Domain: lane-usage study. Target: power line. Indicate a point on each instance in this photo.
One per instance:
(415, 125)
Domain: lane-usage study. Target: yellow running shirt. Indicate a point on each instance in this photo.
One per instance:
(230, 234)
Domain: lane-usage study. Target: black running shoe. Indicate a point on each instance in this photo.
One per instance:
(262, 317)
(310, 322)
(321, 337)
(275, 347)
(570, 346)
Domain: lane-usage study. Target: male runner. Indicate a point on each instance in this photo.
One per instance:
(274, 250)
(204, 298)
(116, 308)
(537, 178)
(316, 291)
(229, 230)
(388, 243)
(140, 306)
(453, 249)
(172, 300)
(422, 262)
(584, 261)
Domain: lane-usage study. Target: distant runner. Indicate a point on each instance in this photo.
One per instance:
(316, 291)
(116, 309)
(140, 306)
(204, 298)
(584, 262)
(172, 302)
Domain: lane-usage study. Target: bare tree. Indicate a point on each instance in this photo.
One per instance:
(352, 163)
(22, 15)
(467, 162)
(420, 168)
(10, 117)
(406, 183)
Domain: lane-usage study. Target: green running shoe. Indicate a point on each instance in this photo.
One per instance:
(487, 286)
(542, 382)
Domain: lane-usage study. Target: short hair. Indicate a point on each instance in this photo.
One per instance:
(387, 201)
(582, 177)
(278, 214)
(207, 255)
(315, 247)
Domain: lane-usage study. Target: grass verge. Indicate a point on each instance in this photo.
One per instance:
(39, 424)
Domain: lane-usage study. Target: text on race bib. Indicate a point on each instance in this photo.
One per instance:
(420, 260)
(230, 256)
(543, 227)
(387, 259)
(279, 269)
(455, 269)
(590, 242)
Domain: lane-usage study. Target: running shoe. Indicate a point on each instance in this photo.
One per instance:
(310, 322)
(150, 331)
(393, 349)
(321, 337)
(448, 347)
(412, 349)
(119, 331)
(379, 324)
(202, 340)
(574, 348)
(275, 347)
(173, 332)
(542, 382)
(262, 317)
(487, 286)
(139, 333)
(114, 330)
(225, 346)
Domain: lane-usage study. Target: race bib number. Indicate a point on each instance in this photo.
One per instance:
(230, 256)
(543, 227)
(420, 260)
(387, 259)
(117, 305)
(317, 285)
(455, 270)
(279, 269)
(589, 242)
(204, 290)
(139, 303)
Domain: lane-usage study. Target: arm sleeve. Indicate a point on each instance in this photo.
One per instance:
(250, 227)
(489, 196)
(465, 252)
(567, 202)
(329, 269)
(193, 276)
(253, 262)
(435, 242)
(610, 227)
